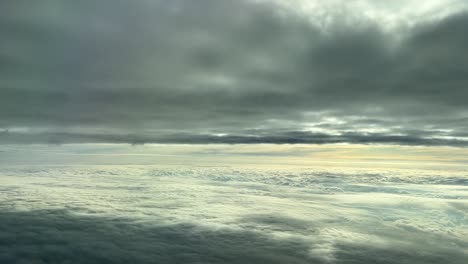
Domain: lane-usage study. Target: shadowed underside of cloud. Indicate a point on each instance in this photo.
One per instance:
(289, 137)
(54, 236)
(86, 71)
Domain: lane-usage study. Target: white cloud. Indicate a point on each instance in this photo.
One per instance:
(391, 15)
(305, 214)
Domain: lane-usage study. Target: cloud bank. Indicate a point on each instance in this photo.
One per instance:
(234, 72)
(190, 214)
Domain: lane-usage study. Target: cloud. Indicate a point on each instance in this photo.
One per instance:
(86, 70)
(273, 137)
(55, 237)
(173, 214)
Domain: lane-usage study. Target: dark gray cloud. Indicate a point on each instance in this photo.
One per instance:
(287, 137)
(57, 237)
(96, 72)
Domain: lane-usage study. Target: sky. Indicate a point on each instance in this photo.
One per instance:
(234, 131)
(247, 71)
(238, 155)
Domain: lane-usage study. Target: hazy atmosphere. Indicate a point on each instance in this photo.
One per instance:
(234, 131)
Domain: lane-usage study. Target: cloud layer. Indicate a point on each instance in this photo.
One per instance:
(189, 214)
(234, 72)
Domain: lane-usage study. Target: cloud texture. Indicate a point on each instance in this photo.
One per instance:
(234, 71)
(190, 214)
